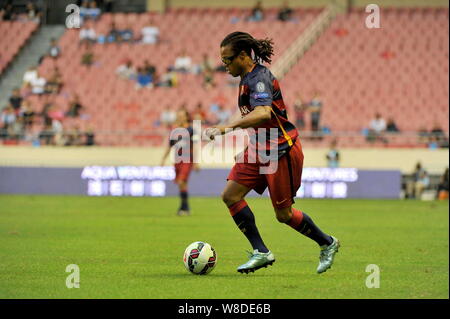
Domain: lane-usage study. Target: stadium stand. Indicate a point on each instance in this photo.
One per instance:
(116, 105)
(14, 36)
(399, 70)
(395, 70)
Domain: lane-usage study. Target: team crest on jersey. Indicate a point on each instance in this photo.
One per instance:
(260, 87)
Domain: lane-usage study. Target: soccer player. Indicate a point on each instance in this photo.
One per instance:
(261, 106)
(184, 159)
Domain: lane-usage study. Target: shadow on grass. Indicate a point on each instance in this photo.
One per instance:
(234, 275)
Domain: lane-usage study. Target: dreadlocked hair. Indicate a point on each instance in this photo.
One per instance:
(241, 41)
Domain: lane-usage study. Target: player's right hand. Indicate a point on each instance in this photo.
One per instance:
(211, 132)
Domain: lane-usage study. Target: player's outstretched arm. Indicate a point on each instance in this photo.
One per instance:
(256, 117)
(166, 153)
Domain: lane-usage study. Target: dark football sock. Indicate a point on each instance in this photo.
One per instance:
(184, 200)
(305, 225)
(245, 220)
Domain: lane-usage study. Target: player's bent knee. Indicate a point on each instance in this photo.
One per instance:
(229, 199)
(283, 215)
(226, 198)
(283, 219)
(182, 185)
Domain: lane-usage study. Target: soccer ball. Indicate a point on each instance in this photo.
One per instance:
(200, 258)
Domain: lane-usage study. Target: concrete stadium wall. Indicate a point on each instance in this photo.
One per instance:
(435, 161)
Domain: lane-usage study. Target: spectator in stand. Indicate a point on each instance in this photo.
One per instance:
(183, 63)
(58, 133)
(315, 109)
(143, 79)
(73, 137)
(127, 34)
(87, 35)
(419, 181)
(55, 83)
(443, 186)
(44, 114)
(300, 110)
(150, 33)
(168, 116)
(90, 137)
(33, 13)
(87, 58)
(38, 86)
(437, 136)
(114, 34)
(30, 75)
(149, 69)
(126, 70)
(7, 13)
(94, 10)
(206, 64)
(200, 114)
(46, 135)
(377, 128)
(333, 157)
(54, 51)
(206, 69)
(169, 79)
(90, 10)
(27, 114)
(55, 113)
(257, 13)
(84, 6)
(208, 79)
(74, 107)
(391, 127)
(285, 12)
(25, 91)
(16, 100)
(7, 120)
(423, 135)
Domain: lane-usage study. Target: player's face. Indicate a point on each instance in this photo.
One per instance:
(181, 117)
(230, 60)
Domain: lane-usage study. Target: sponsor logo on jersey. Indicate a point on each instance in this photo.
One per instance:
(261, 95)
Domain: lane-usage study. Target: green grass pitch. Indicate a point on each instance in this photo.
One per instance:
(133, 247)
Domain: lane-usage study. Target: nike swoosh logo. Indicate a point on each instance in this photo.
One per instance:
(278, 203)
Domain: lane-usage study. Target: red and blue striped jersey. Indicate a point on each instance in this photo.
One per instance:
(259, 87)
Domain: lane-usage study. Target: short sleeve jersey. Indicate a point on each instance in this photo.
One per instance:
(259, 87)
(184, 138)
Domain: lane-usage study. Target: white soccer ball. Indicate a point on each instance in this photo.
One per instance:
(199, 258)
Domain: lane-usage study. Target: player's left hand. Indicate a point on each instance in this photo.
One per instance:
(196, 167)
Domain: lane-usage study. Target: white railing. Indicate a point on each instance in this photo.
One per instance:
(352, 139)
(304, 41)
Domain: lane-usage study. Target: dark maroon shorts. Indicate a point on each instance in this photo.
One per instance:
(283, 183)
(182, 171)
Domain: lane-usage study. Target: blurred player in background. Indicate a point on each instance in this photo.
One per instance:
(181, 138)
(333, 156)
(261, 106)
